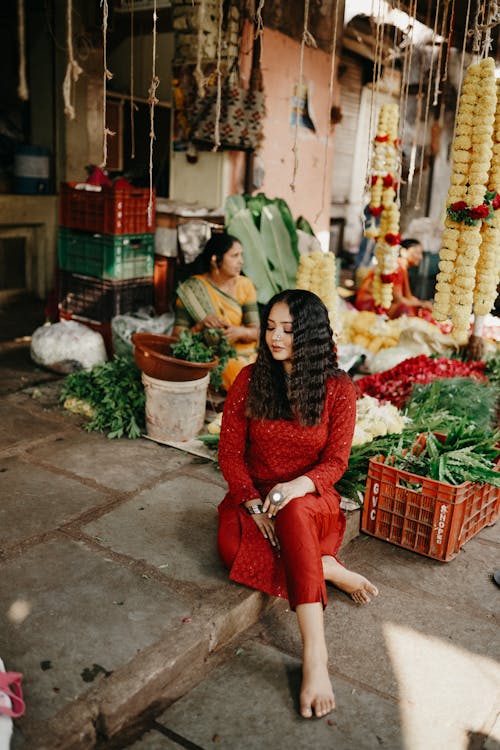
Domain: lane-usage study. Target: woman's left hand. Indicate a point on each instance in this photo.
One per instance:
(289, 490)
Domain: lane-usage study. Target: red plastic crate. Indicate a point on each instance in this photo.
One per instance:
(109, 211)
(423, 515)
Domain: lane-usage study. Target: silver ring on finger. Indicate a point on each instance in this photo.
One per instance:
(277, 498)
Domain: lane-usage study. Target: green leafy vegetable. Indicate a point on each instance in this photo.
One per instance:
(205, 346)
(116, 394)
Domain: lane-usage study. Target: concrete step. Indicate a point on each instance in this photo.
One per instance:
(114, 603)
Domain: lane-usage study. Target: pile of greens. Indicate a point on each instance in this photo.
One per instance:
(115, 392)
(462, 408)
(205, 346)
(467, 455)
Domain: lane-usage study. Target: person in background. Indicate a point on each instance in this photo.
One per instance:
(220, 297)
(403, 301)
(286, 434)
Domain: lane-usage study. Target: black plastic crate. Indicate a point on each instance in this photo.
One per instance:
(101, 300)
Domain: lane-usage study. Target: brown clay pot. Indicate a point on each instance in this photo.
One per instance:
(152, 355)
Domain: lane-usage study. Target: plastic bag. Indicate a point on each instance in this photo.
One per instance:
(143, 321)
(67, 346)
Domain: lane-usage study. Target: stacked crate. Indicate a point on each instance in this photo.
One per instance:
(106, 254)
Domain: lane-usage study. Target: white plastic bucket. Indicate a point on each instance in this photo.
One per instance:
(175, 411)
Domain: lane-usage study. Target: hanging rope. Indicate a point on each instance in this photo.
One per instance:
(198, 72)
(132, 104)
(328, 112)
(22, 88)
(462, 66)
(438, 78)
(489, 14)
(73, 70)
(307, 38)
(427, 107)
(152, 100)
(218, 101)
(259, 24)
(107, 75)
(406, 86)
(416, 132)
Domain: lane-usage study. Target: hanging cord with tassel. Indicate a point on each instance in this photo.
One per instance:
(73, 70)
(22, 88)
(132, 103)
(328, 112)
(107, 75)
(218, 101)
(259, 24)
(307, 38)
(427, 107)
(199, 77)
(152, 101)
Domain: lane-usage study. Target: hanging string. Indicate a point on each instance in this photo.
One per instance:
(438, 79)
(22, 88)
(416, 132)
(449, 42)
(373, 99)
(132, 103)
(406, 87)
(489, 13)
(418, 113)
(218, 101)
(307, 38)
(73, 70)
(107, 75)
(152, 100)
(259, 25)
(462, 66)
(427, 107)
(198, 71)
(328, 111)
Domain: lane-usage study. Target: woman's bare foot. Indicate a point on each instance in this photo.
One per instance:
(316, 693)
(357, 586)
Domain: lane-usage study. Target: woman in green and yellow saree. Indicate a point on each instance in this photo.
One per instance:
(220, 297)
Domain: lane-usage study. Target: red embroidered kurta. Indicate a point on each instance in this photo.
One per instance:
(256, 454)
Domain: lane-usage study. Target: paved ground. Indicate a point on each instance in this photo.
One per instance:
(115, 608)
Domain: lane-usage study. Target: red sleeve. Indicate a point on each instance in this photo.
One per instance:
(341, 415)
(233, 440)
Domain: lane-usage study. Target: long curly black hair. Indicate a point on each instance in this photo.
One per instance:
(314, 360)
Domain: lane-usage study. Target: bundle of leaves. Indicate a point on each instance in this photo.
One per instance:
(467, 455)
(115, 392)
(452, 400)
(205, 346)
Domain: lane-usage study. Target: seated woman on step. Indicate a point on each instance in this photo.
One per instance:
(220, 297)
(286, 435)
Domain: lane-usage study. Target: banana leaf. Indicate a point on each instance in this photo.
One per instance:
(255, 204)
(278, 248)
(255, 263)
(287, 217)
(233, 204)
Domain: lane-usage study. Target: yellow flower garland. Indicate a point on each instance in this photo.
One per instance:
(488, 265)
(471, 158)
(385, 164)
(317, 273)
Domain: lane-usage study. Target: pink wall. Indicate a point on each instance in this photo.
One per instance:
(280, 66)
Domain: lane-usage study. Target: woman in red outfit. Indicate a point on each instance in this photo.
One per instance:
(286, 436)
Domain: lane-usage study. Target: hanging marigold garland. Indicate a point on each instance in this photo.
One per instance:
(469, 201)
(317, 273)
(488, 265)
(383, 204)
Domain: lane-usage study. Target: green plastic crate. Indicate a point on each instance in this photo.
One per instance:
(114, 257)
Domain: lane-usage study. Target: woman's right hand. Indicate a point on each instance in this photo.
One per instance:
(212, 321)
(266, 528)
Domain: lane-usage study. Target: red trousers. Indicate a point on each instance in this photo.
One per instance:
(307, 528)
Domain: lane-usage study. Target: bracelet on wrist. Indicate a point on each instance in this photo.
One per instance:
(254, 510)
